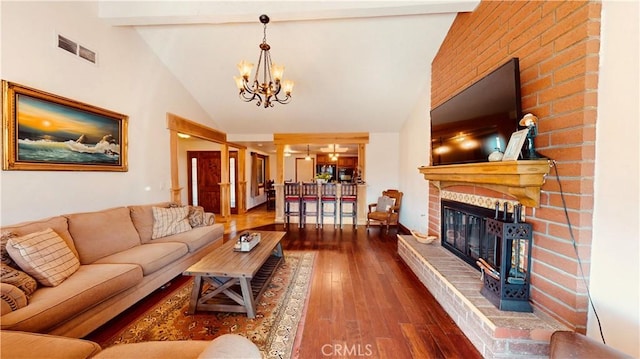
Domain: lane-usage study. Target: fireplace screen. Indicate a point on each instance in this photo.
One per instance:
(498, 243)
(463, 232)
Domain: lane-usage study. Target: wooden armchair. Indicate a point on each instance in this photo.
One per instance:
(386, 216)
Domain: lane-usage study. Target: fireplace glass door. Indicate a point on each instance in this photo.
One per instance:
(463, 232)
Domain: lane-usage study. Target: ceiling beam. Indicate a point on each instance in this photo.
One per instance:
(320, 138)
(154, 13)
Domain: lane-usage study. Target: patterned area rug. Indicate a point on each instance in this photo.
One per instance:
(279, 314)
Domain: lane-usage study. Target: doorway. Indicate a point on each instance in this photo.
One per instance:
(204, 177)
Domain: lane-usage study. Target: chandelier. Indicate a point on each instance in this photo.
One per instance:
(267, 91)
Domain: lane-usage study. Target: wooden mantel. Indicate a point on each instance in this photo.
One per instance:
(520, 179)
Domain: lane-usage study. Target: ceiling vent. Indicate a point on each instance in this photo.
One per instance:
(76, 49)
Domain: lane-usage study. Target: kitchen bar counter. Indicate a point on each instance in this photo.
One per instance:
(362, 207)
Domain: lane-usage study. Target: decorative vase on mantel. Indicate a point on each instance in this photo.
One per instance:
(496, 155)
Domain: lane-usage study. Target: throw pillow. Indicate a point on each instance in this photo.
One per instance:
(209, 219)
(20, 279)
(168, 221)
(11, 298)
(384, 203)
(45, 256)
(5, 258)
(196, 216)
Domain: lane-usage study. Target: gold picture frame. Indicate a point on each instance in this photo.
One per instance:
(512, 152)
(46, 132)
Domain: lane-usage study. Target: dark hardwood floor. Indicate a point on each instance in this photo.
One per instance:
(364, 301)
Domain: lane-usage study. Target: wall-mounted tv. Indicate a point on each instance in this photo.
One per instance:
(472, 124)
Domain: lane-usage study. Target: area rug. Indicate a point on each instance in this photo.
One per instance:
(279, 315)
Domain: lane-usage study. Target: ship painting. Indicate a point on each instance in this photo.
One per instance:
(55, 133)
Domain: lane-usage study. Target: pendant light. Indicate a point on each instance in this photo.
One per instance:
(308, 157)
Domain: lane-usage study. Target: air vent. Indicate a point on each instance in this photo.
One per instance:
(87, 54)
(67, 44)
(77, 49)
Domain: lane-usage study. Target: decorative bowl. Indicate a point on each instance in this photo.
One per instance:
(423, 238)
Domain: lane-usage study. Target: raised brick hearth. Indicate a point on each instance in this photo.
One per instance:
(456, 286)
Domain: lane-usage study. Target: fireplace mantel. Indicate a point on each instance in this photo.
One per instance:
(520, 179)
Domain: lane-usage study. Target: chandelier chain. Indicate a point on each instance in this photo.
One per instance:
(264, 37)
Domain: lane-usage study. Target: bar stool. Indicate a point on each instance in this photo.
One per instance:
(328, 196)
(349, 195)
(292, 196)
(310, 197)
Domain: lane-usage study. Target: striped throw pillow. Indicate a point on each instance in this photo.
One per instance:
(168, 221)
(44, 255)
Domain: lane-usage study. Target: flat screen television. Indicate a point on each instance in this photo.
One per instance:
(472, 124)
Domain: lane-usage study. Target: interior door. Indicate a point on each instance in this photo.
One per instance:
(204, 178)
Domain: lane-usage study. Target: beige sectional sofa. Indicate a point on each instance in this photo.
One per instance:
(119, 264)
(22, 345)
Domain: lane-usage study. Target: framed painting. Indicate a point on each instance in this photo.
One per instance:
(46, 132)
(512, 152)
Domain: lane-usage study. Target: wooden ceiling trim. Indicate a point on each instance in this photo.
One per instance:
(320, 138)
(182, 125)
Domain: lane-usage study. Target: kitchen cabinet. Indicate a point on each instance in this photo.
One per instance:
(348, 162)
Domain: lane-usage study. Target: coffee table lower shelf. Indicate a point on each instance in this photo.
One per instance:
(232, 294)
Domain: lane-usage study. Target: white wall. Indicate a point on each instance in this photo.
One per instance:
(615, 258)
(382, 158)
(128, 79)
(290, 166)
(414, 152)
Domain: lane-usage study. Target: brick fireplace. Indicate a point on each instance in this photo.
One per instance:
(456, 284)
(558, 45)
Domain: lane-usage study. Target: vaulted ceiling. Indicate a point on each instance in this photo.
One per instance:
(358, 66)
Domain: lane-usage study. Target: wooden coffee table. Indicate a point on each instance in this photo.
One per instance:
(236, 279)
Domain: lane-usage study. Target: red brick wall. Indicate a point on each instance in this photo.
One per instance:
(558, 44)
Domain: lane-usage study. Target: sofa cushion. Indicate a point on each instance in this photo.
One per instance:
(187, 349)
(149, 256)
(168, 221)
(58, 224)
(142, 217)
(88, 286)
(11, 298)
(103, 233)
(197, 237)
(18, 278)
(35, 345)
(44, 255)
